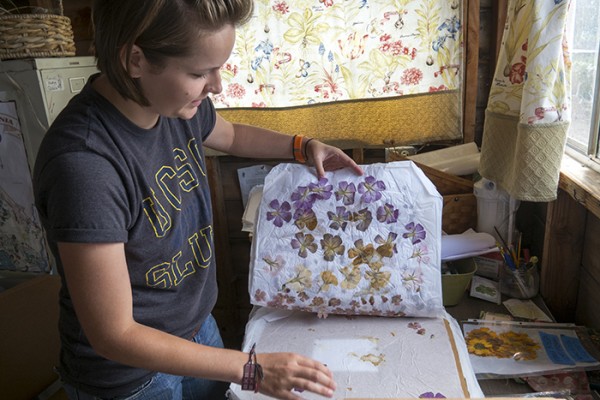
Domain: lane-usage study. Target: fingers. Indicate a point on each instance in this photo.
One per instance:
(287, 375)
(329, 158)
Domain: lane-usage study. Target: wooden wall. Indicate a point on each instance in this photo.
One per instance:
(588, 296)
(570, 263)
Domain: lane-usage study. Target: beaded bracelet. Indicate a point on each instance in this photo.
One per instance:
(253, 373)
(297, 149)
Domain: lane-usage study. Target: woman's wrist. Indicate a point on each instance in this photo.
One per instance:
(305, 148)
(300, 148)
(252, 374)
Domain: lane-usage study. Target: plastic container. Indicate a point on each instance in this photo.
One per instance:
(455, 284)
(493, 208)
(521, 283)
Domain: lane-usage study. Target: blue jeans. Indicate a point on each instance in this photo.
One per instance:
(173, 387)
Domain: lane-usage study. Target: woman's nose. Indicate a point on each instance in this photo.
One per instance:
(214, 84)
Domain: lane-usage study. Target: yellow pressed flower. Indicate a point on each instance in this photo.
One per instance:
(328, 278)
(351, 276)
(480, 347)
(302, 280)
(379, 279)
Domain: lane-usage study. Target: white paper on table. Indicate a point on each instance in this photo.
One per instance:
(467, 244)
(371, 356)
(526, 309)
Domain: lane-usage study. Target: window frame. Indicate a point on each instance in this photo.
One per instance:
(589, 155)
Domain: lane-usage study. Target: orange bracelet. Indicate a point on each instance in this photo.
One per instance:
(297, 150)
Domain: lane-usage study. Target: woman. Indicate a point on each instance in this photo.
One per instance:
(120, 183)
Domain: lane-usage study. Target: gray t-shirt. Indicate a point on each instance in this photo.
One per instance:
(99, 178)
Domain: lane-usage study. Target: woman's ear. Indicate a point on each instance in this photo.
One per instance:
(133, 65)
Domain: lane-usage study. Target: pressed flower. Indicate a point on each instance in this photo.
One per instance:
(317, 301)
(345, 192)
(281, 212)
(420, 253)
(321, 189)
(360, 253)
(370, 189)
(387, 214)
(415, 232)
(332, 245)
(302, 280)
(388, 246)
(351, 276)
(412, 280)
(339, 219)
(303, 197)
(480, 347)
(430, 395)
(304, 243)
(364, 218)
(329, 279)
(414, 325)
(274, 265)
(305, 218)
(260, 295)
(379, 279)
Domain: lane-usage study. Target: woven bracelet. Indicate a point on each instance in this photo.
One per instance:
(253, 373)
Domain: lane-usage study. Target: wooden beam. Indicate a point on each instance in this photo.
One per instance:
(471, 9)
(499, 11)
(582, 183)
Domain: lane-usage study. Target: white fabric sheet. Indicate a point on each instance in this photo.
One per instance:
(349, 244)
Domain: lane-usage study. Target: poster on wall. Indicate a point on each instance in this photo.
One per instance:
(22, 242)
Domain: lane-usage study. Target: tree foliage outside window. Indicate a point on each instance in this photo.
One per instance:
(584, 129)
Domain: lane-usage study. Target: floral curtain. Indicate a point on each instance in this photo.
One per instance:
(354, 72)
(528, 111)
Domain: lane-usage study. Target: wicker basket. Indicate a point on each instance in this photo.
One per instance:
(35, 35)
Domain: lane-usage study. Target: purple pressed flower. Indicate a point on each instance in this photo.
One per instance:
(364, 218)
(332, 245)
(302, 197)
(387, 213)
(345, 192)
(339, 219)
(370, 189)
(321, 189)
(430, 395)
(415, 232)
(303, 242)
(280, 213)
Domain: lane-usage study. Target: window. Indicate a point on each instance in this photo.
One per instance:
(584, 128)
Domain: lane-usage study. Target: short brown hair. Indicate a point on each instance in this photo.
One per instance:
(161, 28)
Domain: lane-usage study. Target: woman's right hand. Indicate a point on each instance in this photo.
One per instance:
(286, 375)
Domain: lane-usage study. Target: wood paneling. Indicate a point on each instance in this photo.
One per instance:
(563, 246)
(588, 312)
